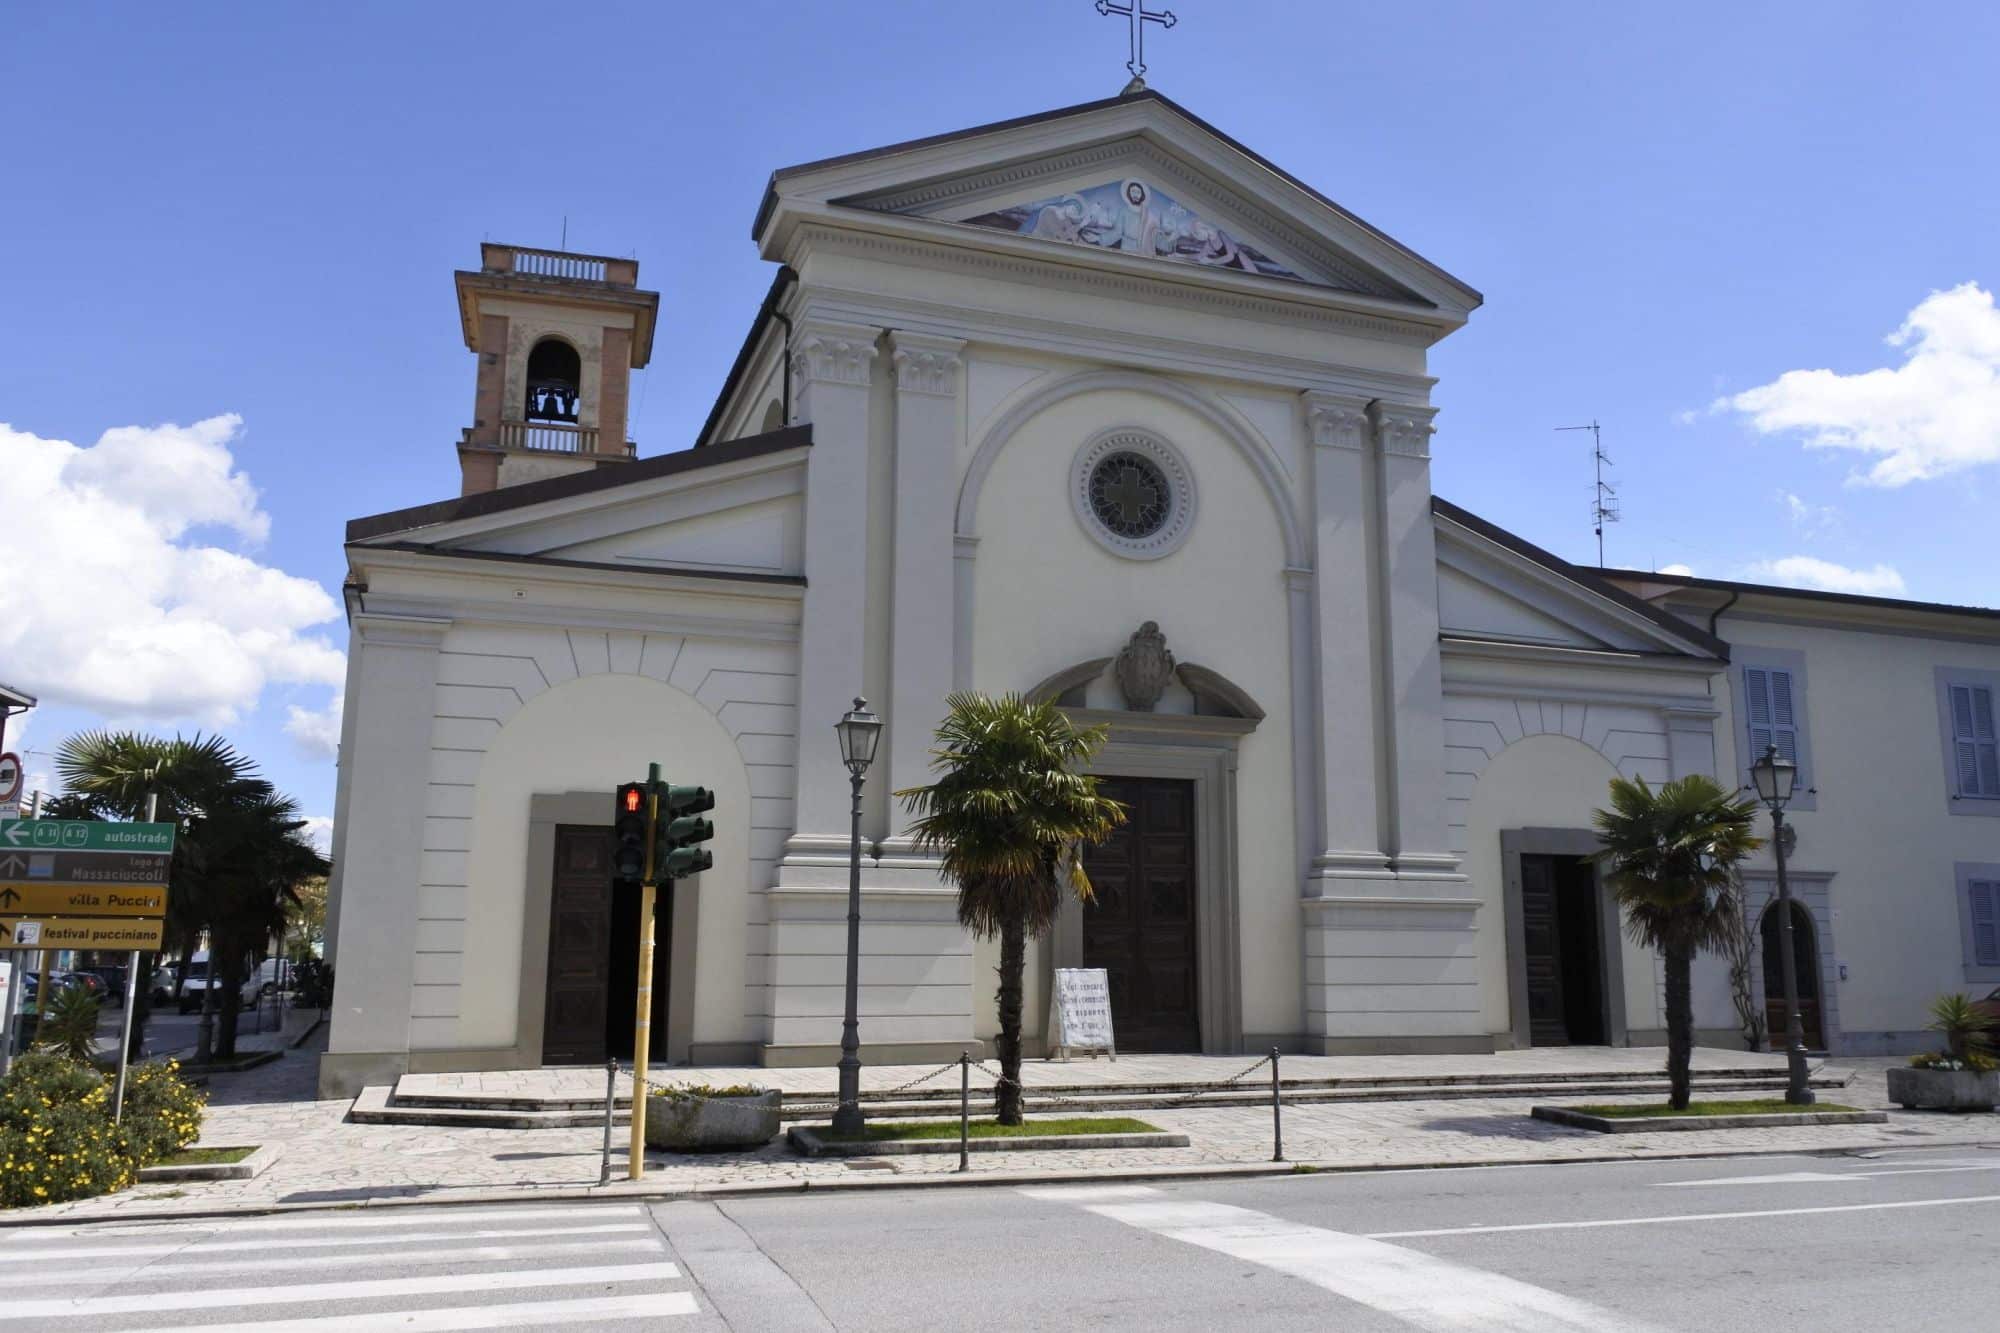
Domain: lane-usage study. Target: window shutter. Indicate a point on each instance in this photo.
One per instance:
(1757, 696)
(1975, 743)
(1784, 724)
(1985, 921)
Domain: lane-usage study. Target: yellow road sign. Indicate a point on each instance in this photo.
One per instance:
(59, 932)
(25, 899)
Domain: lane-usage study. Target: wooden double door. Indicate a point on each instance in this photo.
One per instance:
(590, 1011)
(1564, 938)
(1140, 926)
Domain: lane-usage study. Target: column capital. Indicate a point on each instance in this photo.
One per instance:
(1403, 428)
(926, 364)
(1336, 420)
(827, 352)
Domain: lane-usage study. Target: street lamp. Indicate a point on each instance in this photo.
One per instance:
(859, 731)
(1775, 776)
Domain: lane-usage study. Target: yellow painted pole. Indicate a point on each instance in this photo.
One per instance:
(642, 1025)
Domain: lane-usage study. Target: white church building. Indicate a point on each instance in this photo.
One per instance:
(1097, 406)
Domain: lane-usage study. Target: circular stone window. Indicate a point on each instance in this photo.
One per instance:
(1133, 493)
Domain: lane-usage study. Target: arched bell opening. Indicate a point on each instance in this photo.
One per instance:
(555, 380)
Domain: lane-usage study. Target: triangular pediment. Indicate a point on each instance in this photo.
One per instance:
(1495, 588)
(1132, 178)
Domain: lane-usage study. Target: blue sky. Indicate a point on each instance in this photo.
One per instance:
(253, 212)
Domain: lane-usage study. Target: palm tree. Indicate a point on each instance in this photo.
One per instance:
(1672, 857)
(1009, 815)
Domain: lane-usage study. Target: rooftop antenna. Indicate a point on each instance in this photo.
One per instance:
(565, 234)
(1604, 498)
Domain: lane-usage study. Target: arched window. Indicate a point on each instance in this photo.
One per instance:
(555, 381)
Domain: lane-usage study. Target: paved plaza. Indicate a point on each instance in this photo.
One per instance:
(325, 1160)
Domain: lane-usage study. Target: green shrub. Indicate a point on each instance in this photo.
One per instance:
(162, 1112)
(57, 1141)
(70, 1026)
(685, 1091)
(1966, 1044)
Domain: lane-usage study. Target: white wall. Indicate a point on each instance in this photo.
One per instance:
(1048, 596)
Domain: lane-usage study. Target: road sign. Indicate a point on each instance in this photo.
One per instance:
(10, 777)
(121, 869)
(85, 835)
(82, 899)
(55, 932)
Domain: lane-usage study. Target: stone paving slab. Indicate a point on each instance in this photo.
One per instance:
(333, 1163)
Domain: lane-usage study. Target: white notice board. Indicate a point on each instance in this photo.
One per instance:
(1080, 1012)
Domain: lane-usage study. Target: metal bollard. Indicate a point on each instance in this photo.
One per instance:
(964, 1111)
(1277, 1113)
(610, 1109)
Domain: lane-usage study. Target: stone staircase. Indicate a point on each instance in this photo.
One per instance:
(394, 1106)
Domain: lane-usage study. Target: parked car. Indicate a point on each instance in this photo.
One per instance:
(88, 981)
(161, 985)
(194, 983)
(273, 975)
(113, 977)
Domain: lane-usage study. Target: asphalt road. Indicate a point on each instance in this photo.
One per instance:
(1897, 1240)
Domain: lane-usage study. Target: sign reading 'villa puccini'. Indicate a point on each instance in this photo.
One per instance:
(1080, 1012)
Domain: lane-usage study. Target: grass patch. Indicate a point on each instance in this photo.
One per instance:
(207, 1156)
(1764, 1106)
(993, 1129)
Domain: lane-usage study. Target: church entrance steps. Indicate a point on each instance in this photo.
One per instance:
(560, 1098)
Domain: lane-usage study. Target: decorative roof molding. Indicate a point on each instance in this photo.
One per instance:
(1404, 428)
(925, 364)
(828, 353)
(1337, 421)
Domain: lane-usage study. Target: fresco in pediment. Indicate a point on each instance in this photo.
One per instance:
(1133, 217)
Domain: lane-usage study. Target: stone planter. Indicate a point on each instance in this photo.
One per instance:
(712, 1124)
(1944, 1089)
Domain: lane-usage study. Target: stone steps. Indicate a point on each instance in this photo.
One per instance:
(382, 1105)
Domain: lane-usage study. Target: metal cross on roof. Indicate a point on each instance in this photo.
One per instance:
(1139, 16)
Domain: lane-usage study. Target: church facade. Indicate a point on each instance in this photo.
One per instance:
(1096, 406)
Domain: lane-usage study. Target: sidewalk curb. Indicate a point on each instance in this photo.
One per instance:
(642, 1193)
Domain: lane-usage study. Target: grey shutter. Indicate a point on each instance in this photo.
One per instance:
(1985, 921)
(1784, 721)
(1771, 700)
(1975, 744)
(1757, 698)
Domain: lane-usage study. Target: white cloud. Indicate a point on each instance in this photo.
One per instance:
(1806, 571)
(317, 731)
(115, 608)
(319, 832)
(1937, 413)
(1684, 571)
(1807, 517)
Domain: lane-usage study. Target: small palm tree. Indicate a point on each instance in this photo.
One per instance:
(1963, 1026)
(1671, 859)
(69, 1028)
(1009, 815)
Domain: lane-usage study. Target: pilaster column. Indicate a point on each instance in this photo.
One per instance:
(923, 581)
(832, 367)
(1347, 690)
(386, 770)
(1413, 673)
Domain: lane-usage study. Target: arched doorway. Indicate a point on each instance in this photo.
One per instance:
(1805, 956)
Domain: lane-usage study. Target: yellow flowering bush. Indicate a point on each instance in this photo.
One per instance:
(57, 1141)
(162, 1112)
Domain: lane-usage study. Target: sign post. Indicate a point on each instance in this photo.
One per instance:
(1080, 1012)
(642, 1026)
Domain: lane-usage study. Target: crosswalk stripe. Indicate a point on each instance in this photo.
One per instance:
(1419, 1288)
(374, 1289)
(478, 1254)
(366, 1219)
(38, 1255)
(595, 1310)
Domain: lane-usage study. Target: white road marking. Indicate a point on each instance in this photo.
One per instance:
(304, 1293)
(370, 1218)
(39, 1254)
(1685, 1217)
(476, 1254)
(596, 1310)
(1088, 1193)
(1418, 1288)
(1810, 1177)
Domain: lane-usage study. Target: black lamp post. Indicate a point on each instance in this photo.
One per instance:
(859, 731)
(1775, 776)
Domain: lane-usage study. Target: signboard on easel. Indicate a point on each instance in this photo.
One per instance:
(1080, 1013)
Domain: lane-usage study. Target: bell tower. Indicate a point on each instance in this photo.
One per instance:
(558, 336)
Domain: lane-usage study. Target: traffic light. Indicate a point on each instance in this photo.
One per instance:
(628, 833)
(677, 851)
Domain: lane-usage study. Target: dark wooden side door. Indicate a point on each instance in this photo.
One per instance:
(1141, 927)
(573, 1028)
(1804, 958)
(1547, 1025)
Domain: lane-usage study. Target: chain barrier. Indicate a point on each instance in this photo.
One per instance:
(681, 1092)
(1056, 1098)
